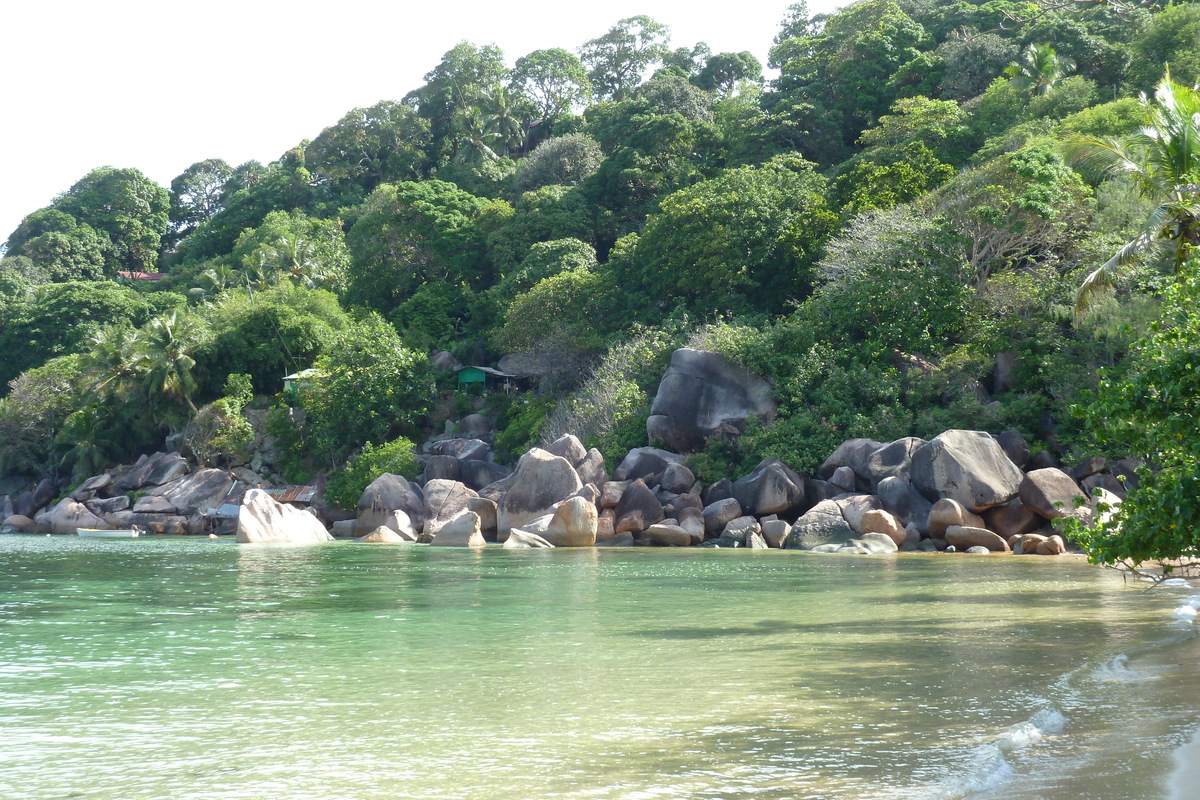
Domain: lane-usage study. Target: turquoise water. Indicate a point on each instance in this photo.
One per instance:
(172, 668)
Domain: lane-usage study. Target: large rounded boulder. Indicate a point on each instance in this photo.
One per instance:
(386, 494)
(647, 463)
(1051, 493)
(700, 393)
(772, 488)
(821, 524)
(541, 480)
(967, 466)
(196, 491)
(264, 521)
(853, 453)
(444, 500)
(69, 516)
(574, 524)
(639, 509)
(893, 460)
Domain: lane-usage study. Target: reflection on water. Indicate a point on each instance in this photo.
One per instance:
(382, 672)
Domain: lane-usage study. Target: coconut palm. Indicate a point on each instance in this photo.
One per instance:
(217, 278)
(257, 272)
(1163, 158)
(1039, 69)
(89, 445)
(297, 258)
(505, 112)
(110, 365)
(165, 359)
(475, 136)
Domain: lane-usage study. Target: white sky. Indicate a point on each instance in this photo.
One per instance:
(161, 84)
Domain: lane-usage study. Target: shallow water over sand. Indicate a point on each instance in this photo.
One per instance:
(201, 669)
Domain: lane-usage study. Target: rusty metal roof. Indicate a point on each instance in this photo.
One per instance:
(141, 276)
(293, 494)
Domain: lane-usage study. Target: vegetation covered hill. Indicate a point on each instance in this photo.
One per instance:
(893, 231)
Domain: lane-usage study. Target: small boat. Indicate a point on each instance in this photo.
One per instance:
(96, 533)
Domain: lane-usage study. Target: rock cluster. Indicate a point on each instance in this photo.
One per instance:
(161, 493)
(962, 491)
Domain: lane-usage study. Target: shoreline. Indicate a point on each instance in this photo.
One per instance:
(1186, 775)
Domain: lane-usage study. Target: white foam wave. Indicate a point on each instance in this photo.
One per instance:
(1191, 604)
(989, 766)
(1184, 615)
(992, 771)
(1116, 670)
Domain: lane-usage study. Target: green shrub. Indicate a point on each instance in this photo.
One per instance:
(368, 387)
(290, 440)
(219, 434)
(346, 485)
(1151, 412)
(521, 427)
(609, 409)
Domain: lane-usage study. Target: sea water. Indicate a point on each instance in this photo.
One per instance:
(185, 668)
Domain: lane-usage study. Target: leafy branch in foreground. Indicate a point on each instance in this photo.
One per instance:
(1152, 413)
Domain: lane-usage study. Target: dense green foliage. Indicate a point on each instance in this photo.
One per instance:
(368, 387)
(218, 434)
(346, 485)
(61, 317)
(110, 220)
(1151, 413)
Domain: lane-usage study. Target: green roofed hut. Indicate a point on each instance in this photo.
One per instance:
(292, 384)
(298, 379)
(485, 378)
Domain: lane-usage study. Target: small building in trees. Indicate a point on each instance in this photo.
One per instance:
(485, 379)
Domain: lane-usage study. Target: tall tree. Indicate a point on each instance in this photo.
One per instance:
(128, 207)
(197, 194)
(410, 234)
(724, 71)
(554, 80)
(166, 347)
(369, 146)
(123, 206)
(507, 114)
(687, 61)
(60, 246)
(464, 71)
(372, 387)
(835, 79)
(1151, 412)
(744, 240)
(1171, 36)
(618, 60)
(1012, 209)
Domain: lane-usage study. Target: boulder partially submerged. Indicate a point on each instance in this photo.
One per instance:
(264, 521)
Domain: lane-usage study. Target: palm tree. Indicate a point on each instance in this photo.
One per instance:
(1039, 69)
(297, 258)
(213, 281)
(475, 137)
(90, 448)
(165, 357)
(257, 273)
(505, 112)
(110, 365)
(1163, 158)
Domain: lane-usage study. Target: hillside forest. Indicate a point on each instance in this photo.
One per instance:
(934, 215)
